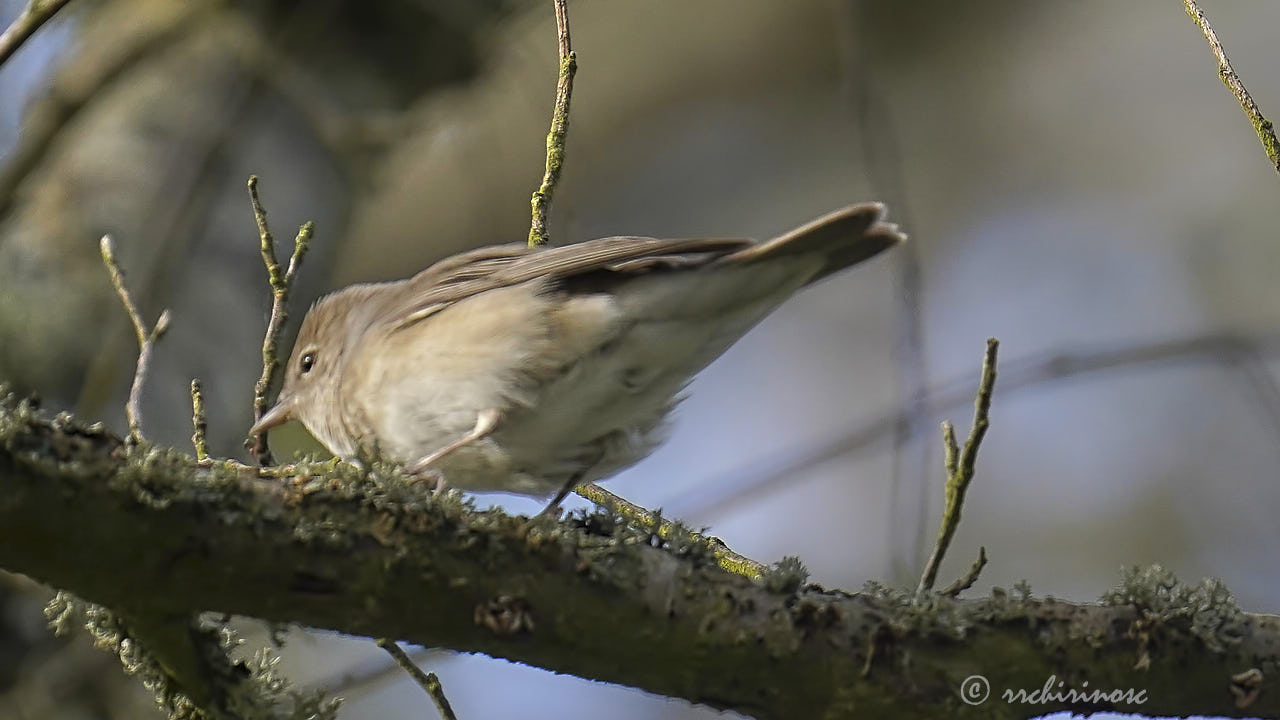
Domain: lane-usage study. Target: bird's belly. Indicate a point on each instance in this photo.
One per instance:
(585, 426)
(539, 452)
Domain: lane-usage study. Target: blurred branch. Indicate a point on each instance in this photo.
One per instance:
(881, 155)
(357, 141)
(960, 464)
(1243, 353)
(1261, 125)
(71, 93)
(541, 202)
(187, 664)
(29, 20)
(281, 280)
(427, 681)
(172, 538)
(146, 339)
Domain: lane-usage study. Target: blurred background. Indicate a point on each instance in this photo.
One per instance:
(1075, 179)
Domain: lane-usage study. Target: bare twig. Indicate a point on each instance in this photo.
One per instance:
(370, 675)
(199, 426)
(146, 338)
(32, 17)
(971, 577)
(1261, 125)
(281, 282)
(541, 202)
(428, 681)
(666, 530)
(960, 464)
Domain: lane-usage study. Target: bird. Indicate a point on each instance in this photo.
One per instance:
(532, 370)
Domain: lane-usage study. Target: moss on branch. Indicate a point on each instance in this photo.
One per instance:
(149, 531)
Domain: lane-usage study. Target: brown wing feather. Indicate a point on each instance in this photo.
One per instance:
(467, 274)
(844, 237)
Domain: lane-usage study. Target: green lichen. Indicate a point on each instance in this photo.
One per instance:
(786, 576)
(1207, 610)
(251, 688)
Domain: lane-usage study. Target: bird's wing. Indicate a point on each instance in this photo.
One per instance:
(590, 265)
(838, 239)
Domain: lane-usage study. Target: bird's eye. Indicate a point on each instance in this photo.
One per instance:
(306, 362)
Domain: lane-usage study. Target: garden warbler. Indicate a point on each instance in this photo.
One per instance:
(531, 370)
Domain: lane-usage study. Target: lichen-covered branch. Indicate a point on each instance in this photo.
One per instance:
(281, 281)
(1261, 125)
(967, 580)
(186, 664)
(671, 532)
(199, 423)
(152, 531)
(960, 465)
(541, 202)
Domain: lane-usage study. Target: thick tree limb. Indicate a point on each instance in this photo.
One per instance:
(150, 531)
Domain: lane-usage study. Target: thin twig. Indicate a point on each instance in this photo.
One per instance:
(950, 448)
(541, 201)
(32, 17)
(666, 530)
(1261, 125)
(199, 426)
(960, 464)
(428, 681)
(971, 577)
(281, 281)
(146, 338)
(368, 676)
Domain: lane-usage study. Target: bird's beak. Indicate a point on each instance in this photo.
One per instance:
(278, 415)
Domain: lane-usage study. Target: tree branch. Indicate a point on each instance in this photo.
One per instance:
(281, 281)
(427, 681)
(1261, 125)
(960, 465)
(33, 16)
(671, 532)
(199, 424)
(146, 338)
(541, 202)
(150, 530)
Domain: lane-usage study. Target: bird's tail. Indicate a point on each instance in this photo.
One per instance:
(844, 237)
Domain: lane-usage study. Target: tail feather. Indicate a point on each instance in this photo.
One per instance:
(844, 237)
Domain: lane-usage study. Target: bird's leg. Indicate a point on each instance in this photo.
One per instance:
(554, 505)
(486, 422)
